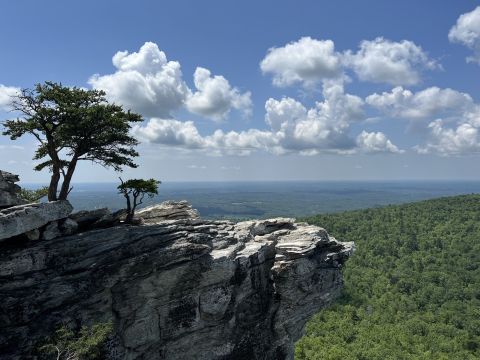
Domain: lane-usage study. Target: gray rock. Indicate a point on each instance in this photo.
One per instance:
(110, 219)
(167, 210)
(86, 218)
(9, 191)
(59, 228)
(20, 219)
(68, 227)
(51, 231)
(33, 235)
(180, 289)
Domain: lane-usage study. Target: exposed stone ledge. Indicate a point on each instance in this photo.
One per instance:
(9, 190)
(22, 219)
(190, 288)
(167, 210)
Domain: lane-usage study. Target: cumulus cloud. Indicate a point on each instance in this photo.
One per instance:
(385, 61)
(170, 132)
(430, 102)
(326, 126)
(304, 61)
(309, 61)
(376, 142)
(145, 81)
(185, 135)
(459, 140)
(293, 128)
(216, 97)
(467, 32)
(6, 94)
(457, 118)
(148, 83)
(279, 114)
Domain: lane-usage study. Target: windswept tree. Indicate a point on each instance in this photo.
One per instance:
(134, 191)
(72, 124)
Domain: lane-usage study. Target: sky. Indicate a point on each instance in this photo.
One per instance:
(261, 90)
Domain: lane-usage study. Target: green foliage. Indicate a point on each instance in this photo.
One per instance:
(87, 344)
(148, 187)
(33, 196)
(412, 288)
(72, 124)
(137, 189)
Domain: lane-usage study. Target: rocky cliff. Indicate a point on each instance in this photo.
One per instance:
(174, 289)
(9, 191)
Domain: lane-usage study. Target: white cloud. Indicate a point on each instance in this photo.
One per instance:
(6, 94)
(326, 126)
(170, 132)
(279, 114)
(460, 140)
(215, 97)
(304, 61)
(375, 142)
(309, 61)
(431, 102)
(293, 129)
(467, 32)
(185, 135)
(385, 61)
(144, 82)
(455, 130)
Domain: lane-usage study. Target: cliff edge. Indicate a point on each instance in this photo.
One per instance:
(174, 289)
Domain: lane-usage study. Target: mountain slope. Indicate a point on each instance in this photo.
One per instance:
(412, 289)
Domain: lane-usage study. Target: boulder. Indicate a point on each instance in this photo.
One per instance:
(68, 226)
(85, 218)
(110, 219)
(51, 231)
(21, 219)
(9, 191)
(59, 228)
(167, 210)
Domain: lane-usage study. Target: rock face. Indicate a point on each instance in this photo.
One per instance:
(97, 219)
(168, 210)
(179, 289)
(9, 190)
(21, 219)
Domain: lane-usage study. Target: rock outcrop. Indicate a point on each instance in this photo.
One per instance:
(98, 218)
(177, 289)
(167, 210)
(23, 219)
(9, 191)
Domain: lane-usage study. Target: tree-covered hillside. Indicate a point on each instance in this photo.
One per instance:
(412, 288)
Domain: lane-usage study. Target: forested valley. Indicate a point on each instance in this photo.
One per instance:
(412, 288)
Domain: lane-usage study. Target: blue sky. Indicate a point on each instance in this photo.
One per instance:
(262, 90)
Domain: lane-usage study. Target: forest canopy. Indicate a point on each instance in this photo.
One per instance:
(412, 288)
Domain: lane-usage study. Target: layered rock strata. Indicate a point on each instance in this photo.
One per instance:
(9, 191)
(167, 210)
(177, 289)
(21, 219)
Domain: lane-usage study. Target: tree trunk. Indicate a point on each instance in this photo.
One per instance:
(67, 179)
(52, 188)
(130, 212)
(56, 165)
